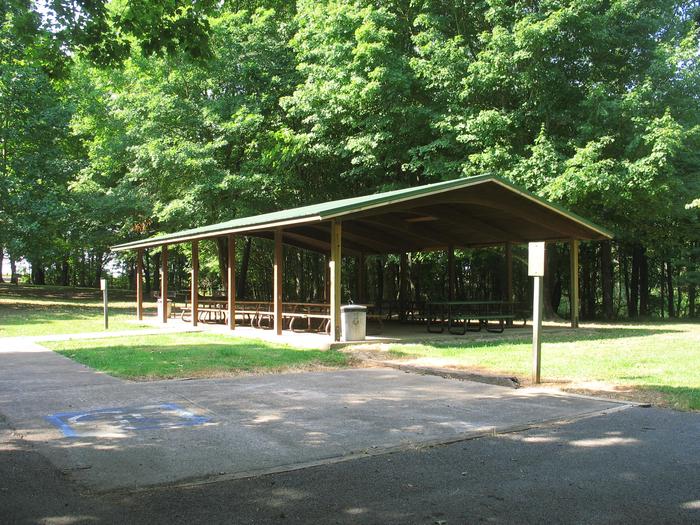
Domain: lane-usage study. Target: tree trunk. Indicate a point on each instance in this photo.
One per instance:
(634, 283)
(98, 269)
(643, 282)
(606, 274)
(625, 277)
(379, 265)
(222, 257)
(592, 282)
(83, 271)
(156, 272)
(65, 272)
(2, 256)
(662, 292)
(131, 272)
(415, 277)
(14, 278)
(669, 290)
(242, 277)
(691, 300)
(147, 273)
(38, 273)
(550, 265)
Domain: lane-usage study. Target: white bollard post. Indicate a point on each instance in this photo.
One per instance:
(103, 287)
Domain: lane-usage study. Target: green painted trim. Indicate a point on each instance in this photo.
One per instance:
(339, 208)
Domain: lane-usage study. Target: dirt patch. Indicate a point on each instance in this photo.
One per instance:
(619, 393)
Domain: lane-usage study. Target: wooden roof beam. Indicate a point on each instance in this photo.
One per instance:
(371, 243)
(551, 221)
(422, 238)
(467, 220)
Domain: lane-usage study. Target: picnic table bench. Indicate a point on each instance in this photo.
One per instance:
(260, 314)
(460, 315)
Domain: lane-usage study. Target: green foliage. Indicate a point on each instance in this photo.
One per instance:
(166, 115)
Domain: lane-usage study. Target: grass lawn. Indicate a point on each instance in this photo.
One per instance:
(658, 362)
(43, 310)
(190, 355)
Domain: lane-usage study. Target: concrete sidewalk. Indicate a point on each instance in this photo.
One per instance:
(106, 433)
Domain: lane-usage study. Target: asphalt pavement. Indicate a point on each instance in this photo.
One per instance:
(640, 465)
(344, 446)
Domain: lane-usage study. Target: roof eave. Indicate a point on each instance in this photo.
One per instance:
(153, 242)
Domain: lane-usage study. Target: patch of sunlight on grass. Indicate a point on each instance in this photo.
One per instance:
(46, 310)
(660, 357)
(191, 354)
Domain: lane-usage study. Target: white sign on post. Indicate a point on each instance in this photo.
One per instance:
(103, 284)
(535, 259)
(535, 268)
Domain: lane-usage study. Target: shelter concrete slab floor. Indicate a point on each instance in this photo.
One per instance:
(107, 434)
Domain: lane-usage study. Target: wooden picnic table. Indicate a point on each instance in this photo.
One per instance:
(459, 316)
(260, 314)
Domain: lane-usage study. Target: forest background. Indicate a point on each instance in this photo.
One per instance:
(122, 119)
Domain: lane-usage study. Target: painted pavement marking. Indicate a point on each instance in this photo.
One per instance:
(120, 421)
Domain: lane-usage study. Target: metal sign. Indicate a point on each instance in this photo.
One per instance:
(535, 259)
(103, 284)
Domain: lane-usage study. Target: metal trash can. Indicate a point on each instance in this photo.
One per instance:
(169, 304)
(353, 322)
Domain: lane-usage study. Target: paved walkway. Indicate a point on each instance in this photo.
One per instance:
(107, 433)
(637, 465)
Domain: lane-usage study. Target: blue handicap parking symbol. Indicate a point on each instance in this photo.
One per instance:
(113, 422)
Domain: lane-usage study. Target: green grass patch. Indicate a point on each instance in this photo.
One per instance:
(663, 358)
(190, 355)
(44, 310)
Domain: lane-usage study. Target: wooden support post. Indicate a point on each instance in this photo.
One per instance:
(573, 291)
(164, 283)
(194, 288)
(231, 281)
(277, 279)
(403, 286)
(139, 284)
(335, 268)
(450, 273)
(361, 279)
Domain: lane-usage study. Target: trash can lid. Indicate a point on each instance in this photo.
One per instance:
(353, 308)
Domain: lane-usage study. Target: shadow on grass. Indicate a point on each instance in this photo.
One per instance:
(28, 291)
(525, 337)
(678, 397)
(15, 316)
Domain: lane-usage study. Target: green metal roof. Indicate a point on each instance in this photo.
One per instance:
(339, 208)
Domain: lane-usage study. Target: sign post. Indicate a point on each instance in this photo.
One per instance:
(103, 287)
(535, 269)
